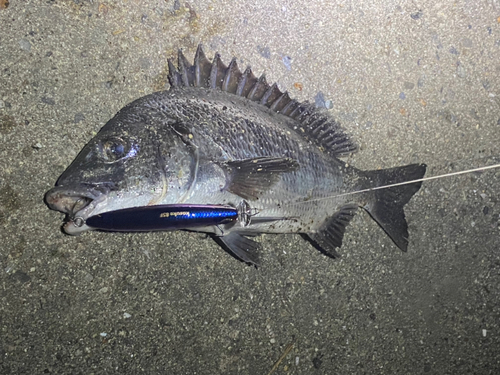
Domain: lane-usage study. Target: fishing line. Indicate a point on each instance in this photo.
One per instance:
(481, 169)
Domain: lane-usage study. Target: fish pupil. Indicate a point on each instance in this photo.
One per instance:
(113, 150)
(118, 150)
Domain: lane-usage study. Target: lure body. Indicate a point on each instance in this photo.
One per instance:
(163, 217)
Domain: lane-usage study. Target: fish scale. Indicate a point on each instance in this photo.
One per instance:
(220, 136)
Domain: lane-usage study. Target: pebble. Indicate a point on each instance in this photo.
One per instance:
(408, 85)
(264, 52)
(25, 45)
(319, 100)
(287, 61)
(417, 15)
(461, 71)
(78, 117)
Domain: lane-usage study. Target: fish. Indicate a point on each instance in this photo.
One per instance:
(222, 136)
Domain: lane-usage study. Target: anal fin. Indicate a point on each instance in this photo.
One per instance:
(329, 237)
(240, 246)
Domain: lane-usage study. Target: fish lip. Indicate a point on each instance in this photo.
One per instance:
(77, 202)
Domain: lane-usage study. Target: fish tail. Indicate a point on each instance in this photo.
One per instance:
(385, 206)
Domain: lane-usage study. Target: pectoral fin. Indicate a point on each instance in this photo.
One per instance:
(250, 178)
(240, 246)
(330, 235)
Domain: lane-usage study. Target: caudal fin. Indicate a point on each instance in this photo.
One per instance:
(385, 206)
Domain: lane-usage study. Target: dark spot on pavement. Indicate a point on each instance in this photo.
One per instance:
(79, 117)
(417, 15)
(317, 361)
(9, 202)
(20, 276)
(7, 123)
(264, 52)
(48, 100)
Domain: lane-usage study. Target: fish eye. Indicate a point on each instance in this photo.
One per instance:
(114, 149)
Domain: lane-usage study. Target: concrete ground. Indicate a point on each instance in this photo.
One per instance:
(411, 81)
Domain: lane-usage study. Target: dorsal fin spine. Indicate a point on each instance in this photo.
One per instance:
(310, 123)
(241, 83)
(317, 125)
(218, 72)
(247, 82)
(173, 74)
(184, 69)
(214, 72)
(290, 107)
(230, 81)
(271, 95)
(202, 68)
(259, 89)
(280, 102)
(297, 111)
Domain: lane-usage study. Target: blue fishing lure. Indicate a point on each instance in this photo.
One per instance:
(169, 217)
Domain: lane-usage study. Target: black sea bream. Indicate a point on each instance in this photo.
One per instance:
(220, 136)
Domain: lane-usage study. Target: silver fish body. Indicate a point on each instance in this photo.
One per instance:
(220, 136)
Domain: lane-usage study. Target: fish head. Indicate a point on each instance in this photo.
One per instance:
(129, 163)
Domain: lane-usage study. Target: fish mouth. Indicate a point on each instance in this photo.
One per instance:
(77, 202)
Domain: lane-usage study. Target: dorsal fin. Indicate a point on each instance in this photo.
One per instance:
(310, 122)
